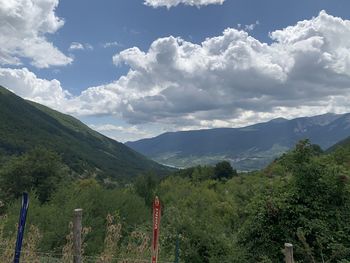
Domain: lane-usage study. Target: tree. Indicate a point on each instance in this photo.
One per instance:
(145, 186)
(224, 170)
(40, 170)
(309, 208)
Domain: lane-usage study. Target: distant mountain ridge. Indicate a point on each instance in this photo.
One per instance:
(345, 144)
(25, 125)
(248, 148)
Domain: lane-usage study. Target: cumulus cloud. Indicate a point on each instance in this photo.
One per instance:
(80, 46)
(122, 132)
(24, 25)
(304, 70)
(27, 85)
(105, 128)
(76, 46)
(172, 3)
(226, 81)
(111, 44)
(111, 127)
(249, 27)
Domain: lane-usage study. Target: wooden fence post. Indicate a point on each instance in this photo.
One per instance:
(78, 214)
(288, 251)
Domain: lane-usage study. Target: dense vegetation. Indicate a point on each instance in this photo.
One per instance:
(303, 198)
(26, 125)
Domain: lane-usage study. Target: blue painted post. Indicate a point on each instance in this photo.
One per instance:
(21, 225)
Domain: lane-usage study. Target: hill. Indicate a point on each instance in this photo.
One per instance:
(343, 143)
(247, 148)
(26, 125)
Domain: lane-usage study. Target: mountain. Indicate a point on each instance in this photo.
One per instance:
(25, 125)
(247, 148)
(342, 144)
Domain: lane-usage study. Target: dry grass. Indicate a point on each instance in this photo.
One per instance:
(7, 245)
(137, 249)
(67, 251)
(113, 235)
(31, 245)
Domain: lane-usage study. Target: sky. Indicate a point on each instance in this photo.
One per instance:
(132, 69)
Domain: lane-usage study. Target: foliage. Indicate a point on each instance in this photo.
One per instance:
(39, 170)
(302, 198)
(145, 186)
(223, 170)
(308, 210)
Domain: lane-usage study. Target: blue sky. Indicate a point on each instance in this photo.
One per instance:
(129, 93)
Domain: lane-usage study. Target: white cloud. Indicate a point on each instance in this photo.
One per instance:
(230, 80)
(251, 27)
(111, 127)
(76, 46)
(27, 85)
(88, 46)
(112, 44)
(305, 70)
(122, 133)
(172, 3)
(80, 46)
(23, 28)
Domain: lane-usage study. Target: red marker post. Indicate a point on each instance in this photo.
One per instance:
(156, 226)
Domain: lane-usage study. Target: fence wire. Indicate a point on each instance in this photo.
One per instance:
(46, 257)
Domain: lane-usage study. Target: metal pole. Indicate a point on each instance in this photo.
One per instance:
(156, 225)
(21, 226)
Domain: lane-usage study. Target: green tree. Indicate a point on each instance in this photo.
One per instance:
(341, 155)
(224, 170)
(39, 170)
(145, 186)
(201, 216)
(309, 209)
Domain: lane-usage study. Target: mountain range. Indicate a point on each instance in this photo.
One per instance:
(247, 148)
(25, 125)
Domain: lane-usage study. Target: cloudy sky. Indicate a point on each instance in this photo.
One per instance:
(137, 68)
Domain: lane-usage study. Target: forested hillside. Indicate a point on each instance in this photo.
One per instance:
(26, 125)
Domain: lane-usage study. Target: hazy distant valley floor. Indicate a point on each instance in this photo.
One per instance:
(249, 161)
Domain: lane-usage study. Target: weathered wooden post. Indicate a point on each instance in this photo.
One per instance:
(288, 251)
(78, 214)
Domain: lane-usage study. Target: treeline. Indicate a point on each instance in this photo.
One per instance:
(217, 215)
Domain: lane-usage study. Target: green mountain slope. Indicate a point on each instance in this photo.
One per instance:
(343, 143)
(25, 125)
